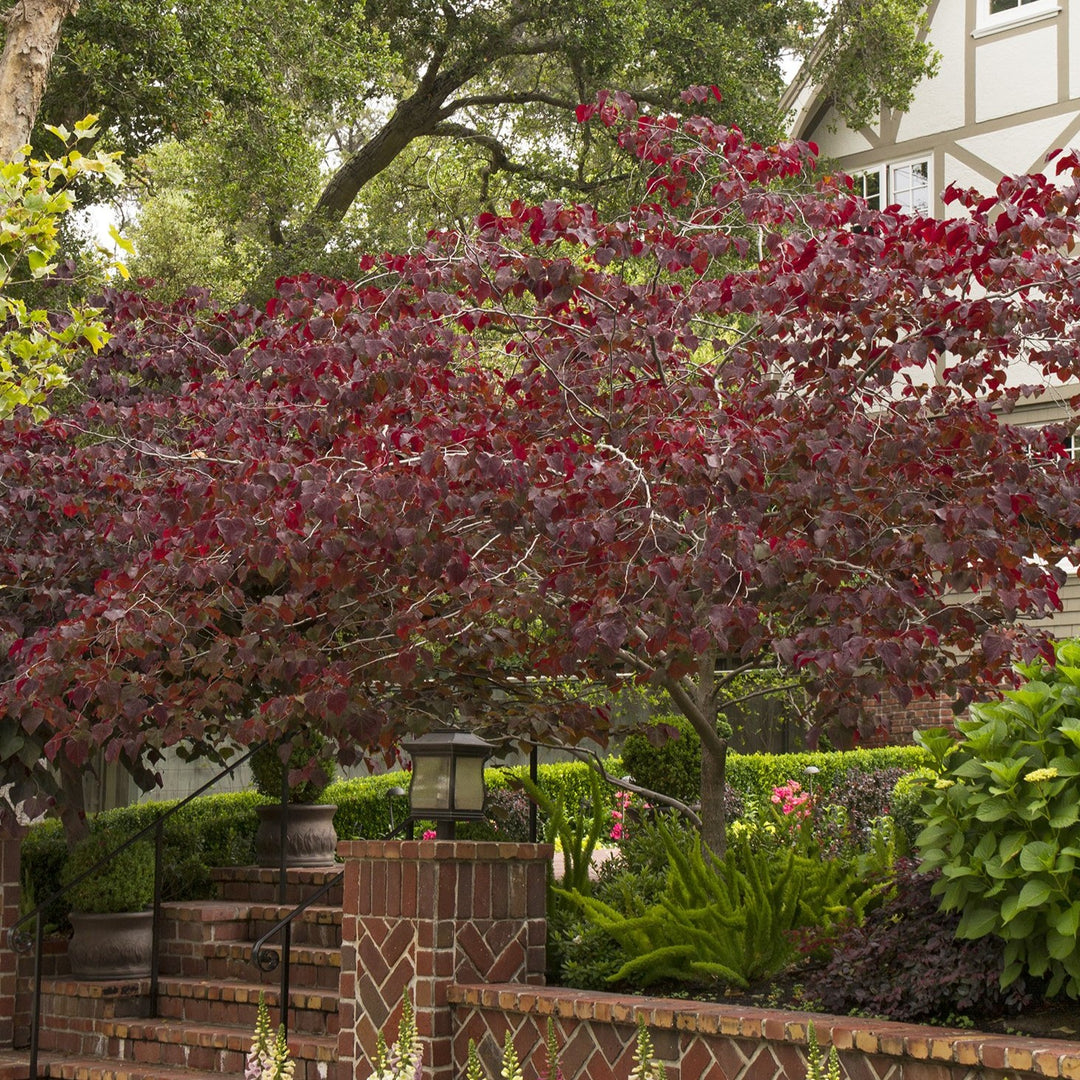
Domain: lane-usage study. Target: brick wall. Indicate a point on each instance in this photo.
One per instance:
(899, 721)
(701, 1041)
(9, 912)
(424, 915)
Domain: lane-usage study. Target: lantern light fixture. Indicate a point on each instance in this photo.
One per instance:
(447, 778)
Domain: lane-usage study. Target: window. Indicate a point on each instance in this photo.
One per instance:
(908, 185)
(998, 6)
(868, 185)
(997, 14)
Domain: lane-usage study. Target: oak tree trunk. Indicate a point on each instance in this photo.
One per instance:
(32, 32)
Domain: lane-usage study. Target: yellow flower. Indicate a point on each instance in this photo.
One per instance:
(1041, 774)
(942, 784)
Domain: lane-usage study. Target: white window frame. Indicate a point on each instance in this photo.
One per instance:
(1018, 15)
(911, 163)
(859, 188)
(886, 183)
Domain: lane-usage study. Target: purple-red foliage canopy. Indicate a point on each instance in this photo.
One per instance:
(751, 425)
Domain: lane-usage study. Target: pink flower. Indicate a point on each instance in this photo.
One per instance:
(791, 799)
(429, 834)
(617, 831)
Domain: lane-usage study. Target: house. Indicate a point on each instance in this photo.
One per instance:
(1007, 93)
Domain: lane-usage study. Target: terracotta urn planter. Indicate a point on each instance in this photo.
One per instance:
(310, 839)
(113, 945)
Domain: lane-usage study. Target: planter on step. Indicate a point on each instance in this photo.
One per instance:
(310, 839)
(111, 945)
(110, 887)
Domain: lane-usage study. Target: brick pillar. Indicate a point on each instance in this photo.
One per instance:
(9, 912)
(421, 915)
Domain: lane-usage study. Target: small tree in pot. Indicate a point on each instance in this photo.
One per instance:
(111, 917)
(310, 839)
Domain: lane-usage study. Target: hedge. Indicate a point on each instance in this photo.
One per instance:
(674, 767)
(219, 830)
(755, 775)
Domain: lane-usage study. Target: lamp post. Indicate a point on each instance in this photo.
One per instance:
(447, 779)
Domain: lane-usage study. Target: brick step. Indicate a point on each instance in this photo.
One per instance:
(259, 884)
(155, 1045)
(186, 927)
(15, 1065)
(318, 925)
(86, 1068)
(310, 967)
(199, 1001)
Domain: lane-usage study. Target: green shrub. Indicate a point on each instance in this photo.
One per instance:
(670, 766)
(43, 854)
(219, 830)
(124, 883)
(1003, 822)
(673, 767)
(583, 955)
(755, 775)
(905, 804)
(307, 748)
(732, 920)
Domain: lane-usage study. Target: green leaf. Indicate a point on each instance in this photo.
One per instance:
(977, 922)
(1038, 855)
(1034, 894)
(1011, 845)
(1068, 922)
(993, 809)
(1059, 945)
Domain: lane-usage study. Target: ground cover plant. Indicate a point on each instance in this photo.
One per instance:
(906, 962)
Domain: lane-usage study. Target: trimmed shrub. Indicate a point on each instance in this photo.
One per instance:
(755, 775)
(307, 749)
(905, 804)
(671, 766)
(124, 883)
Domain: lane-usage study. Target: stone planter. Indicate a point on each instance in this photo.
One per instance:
(310, 839)
(116, 945)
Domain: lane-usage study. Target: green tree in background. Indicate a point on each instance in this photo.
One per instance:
(316, 126)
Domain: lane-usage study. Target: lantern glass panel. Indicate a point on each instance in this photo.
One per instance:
(430, 788)
(469, 784)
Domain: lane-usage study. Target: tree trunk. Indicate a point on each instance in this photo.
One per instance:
(73, 806)
(713, 779)
(415, 116)
(32, 29)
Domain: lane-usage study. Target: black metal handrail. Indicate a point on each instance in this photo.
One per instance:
(267, 959)
(21, 941)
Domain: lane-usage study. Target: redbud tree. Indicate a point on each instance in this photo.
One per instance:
(752, 425)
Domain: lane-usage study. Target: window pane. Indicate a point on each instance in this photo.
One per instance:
(911, 186)
(998, 6)
(868, 185)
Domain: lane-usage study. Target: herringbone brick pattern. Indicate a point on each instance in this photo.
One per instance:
(423, 915)
(702, 1041)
